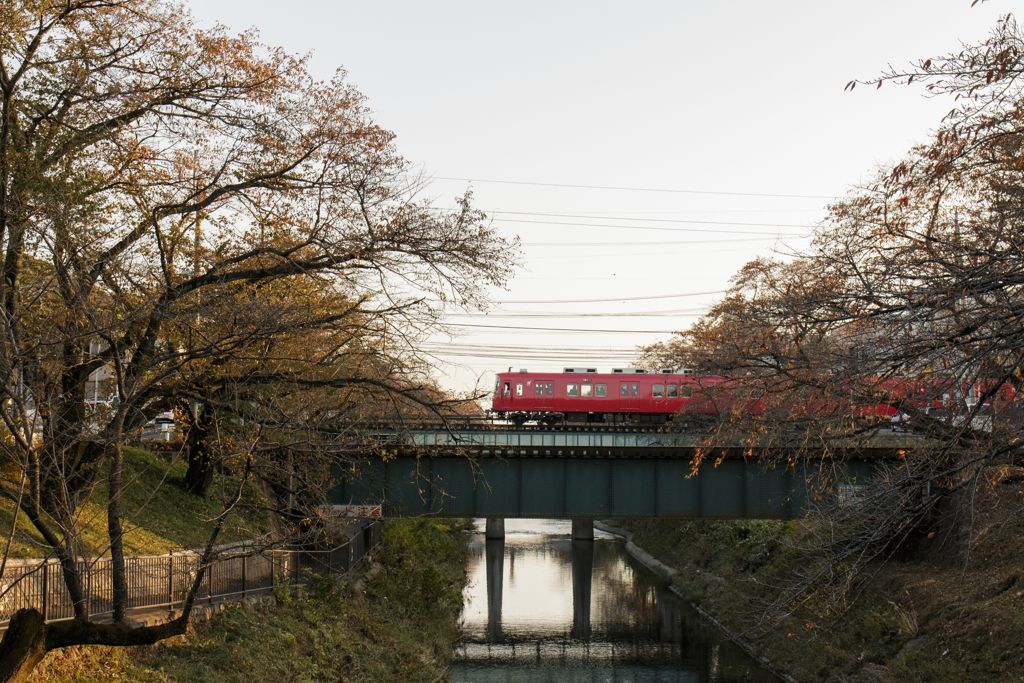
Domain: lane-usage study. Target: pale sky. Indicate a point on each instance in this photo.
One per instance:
(643, 151)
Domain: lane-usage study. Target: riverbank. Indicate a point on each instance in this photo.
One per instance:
(916, 621)
(395, 624)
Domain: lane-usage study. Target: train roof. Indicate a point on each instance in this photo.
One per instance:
(595, 371)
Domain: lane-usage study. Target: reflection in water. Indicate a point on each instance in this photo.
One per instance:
(542, 607)
(582, 575)
(495, 553)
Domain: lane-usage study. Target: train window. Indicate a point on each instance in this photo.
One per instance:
(600, 390)
(539, 389)
(658, 390)
(586, 390)
(744, 394)
(625, 390)
(635, 389)
(672, 391)
(686, 391)
(507, 390)
(549, 389)
(519, 388)
(572, 390)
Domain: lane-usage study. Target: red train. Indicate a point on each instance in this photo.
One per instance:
(585, 395)
(637, 396)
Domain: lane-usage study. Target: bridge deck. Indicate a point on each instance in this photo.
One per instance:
(584, 441)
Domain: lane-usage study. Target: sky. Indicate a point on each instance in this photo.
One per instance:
(642, 152)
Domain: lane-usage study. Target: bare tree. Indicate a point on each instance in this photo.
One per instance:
(910, 302)
(195, 212)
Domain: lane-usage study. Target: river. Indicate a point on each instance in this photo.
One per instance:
(581, 611)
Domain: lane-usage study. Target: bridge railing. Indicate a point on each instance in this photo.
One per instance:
(162, 581)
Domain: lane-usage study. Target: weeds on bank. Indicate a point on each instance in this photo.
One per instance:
(916, 621)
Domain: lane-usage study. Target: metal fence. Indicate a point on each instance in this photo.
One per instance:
(162, 581)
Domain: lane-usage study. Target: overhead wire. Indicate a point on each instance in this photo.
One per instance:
(654, 227)
(634, 189)
(644, 244)
(624, 298)
(525, 329)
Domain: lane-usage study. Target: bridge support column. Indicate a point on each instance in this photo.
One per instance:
(583, 530)
(495, 528)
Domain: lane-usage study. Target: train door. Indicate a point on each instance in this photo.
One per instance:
(543, 393)
(629, 394)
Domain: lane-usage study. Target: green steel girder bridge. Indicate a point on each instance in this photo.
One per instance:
(588, 472)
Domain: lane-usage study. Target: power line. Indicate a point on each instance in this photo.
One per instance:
(627, 298)
(689, 313)
(627, 214)
(532, 349)
(635, 220)
(522, 329)
(633, 189)
(646, 227)
(643, 244)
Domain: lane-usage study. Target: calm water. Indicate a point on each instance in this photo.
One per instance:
(580, 611)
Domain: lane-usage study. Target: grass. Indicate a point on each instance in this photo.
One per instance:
(401, 630)
(158, 514)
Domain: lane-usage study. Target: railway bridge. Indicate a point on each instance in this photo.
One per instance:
(591, 471)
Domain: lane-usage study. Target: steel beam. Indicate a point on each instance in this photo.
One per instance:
(572, 487)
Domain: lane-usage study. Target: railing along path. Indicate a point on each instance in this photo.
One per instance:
(162, 581)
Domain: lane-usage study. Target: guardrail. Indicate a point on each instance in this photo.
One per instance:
(161, 581)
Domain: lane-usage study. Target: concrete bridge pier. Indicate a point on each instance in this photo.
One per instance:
(495, 528)
(583, 530)
(494, 557)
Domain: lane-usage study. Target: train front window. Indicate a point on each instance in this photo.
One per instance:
(600, 390)
(672, 391)
(572, 390)
(586, 390)
(658, 390)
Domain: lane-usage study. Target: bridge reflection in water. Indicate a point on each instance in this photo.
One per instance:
(544, 607)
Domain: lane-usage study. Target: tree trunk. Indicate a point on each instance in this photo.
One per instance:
(28, 638)
(199, 475)
(23, 646)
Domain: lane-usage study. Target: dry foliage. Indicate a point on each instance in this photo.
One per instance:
(195, 215)
(911, 295)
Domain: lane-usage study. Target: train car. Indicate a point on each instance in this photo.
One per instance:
(583, 395)
(624, 395)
